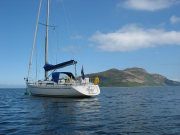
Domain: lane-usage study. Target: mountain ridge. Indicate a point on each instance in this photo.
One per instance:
(131, 77)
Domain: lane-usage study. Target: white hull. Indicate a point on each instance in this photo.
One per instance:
(83, 90)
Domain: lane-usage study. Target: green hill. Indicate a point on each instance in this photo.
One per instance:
(131, 77)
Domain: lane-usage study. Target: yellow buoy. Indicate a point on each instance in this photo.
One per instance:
(67, 79)
(96, 80)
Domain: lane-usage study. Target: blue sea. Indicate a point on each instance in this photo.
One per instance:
(137, 110)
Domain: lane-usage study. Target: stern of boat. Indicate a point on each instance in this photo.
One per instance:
(88, 90)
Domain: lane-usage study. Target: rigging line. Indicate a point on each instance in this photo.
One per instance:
(64, 45)
(51, 73)
(47, 25)
(38, 71)
(57, 34)
(74, 32)
(32, 76)
(67, 24)
(42, 53)
(71, 19)
(36, 58)
(40, 61)
(34, 38)
(51, 48)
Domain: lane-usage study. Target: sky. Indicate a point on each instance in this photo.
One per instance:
(98, 34)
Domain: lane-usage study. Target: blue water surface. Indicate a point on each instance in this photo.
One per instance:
(138, 110)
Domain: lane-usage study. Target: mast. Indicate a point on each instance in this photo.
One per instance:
(46, 46)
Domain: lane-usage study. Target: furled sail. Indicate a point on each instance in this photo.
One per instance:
(48, 67)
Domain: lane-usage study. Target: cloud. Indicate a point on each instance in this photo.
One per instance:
(131, 37)
(174, 19)
(76, 37)
(177, 80)
(149, 5)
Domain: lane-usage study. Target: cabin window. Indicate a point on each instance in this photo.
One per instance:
(49, 83)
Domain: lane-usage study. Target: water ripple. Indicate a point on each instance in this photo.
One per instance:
(152, 110)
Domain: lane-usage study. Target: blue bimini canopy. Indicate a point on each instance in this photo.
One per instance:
(55, 75)
(48, 67)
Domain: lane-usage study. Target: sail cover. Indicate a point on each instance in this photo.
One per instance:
(55, 75)
(48, 67)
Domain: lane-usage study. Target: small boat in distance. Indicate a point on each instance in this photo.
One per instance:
(59, 86)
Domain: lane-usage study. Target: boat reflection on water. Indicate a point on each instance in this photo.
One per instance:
(61, 115)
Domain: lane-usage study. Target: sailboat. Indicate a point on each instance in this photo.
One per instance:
(60, 87)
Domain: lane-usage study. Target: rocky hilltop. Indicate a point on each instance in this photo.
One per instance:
(131, 77)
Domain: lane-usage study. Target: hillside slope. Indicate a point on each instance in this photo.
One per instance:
(131, 77)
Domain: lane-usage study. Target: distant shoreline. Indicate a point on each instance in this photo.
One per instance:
(107, 87)
(139, 86)
(12, 88)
